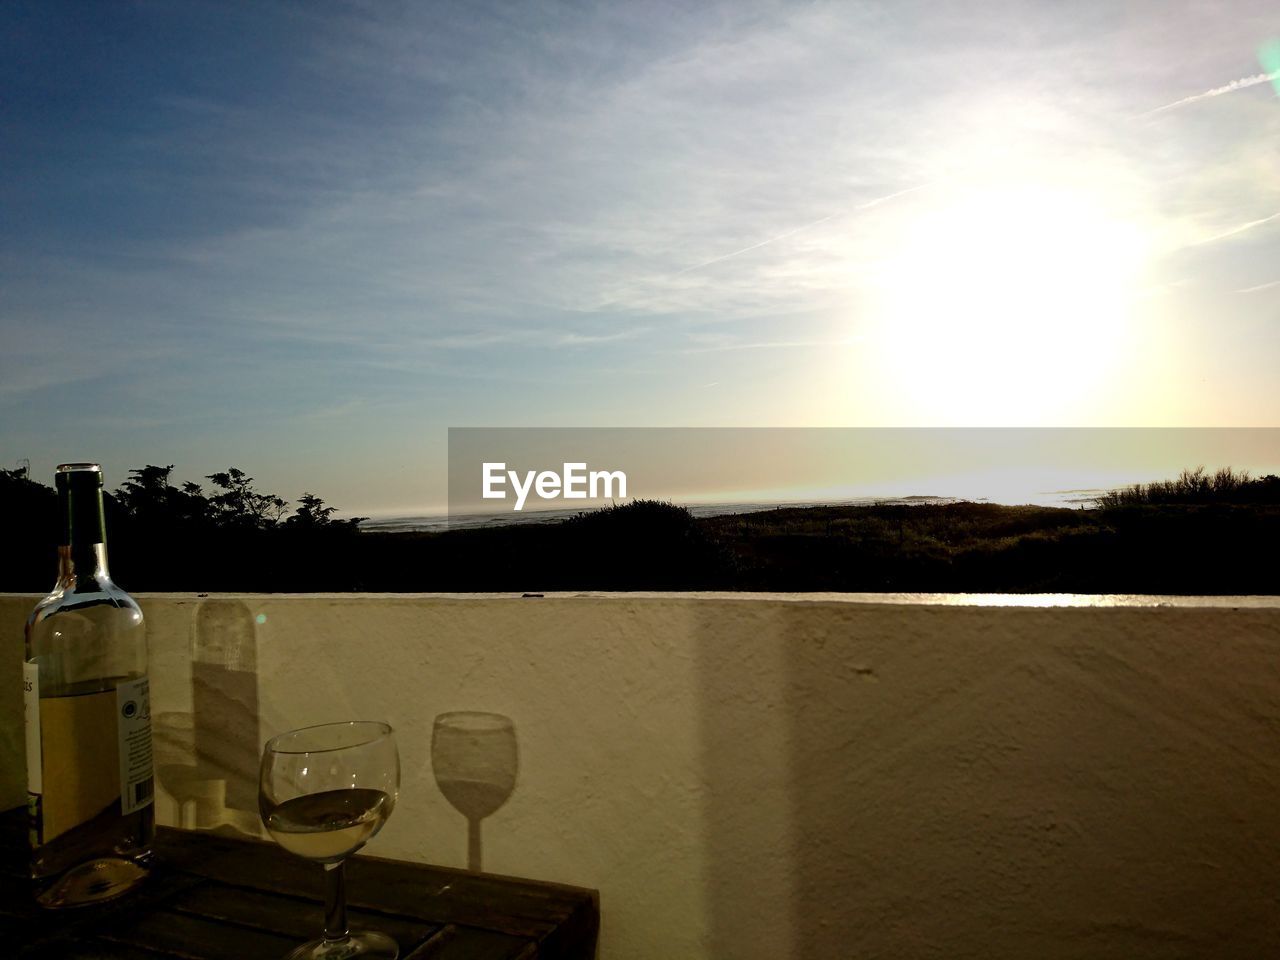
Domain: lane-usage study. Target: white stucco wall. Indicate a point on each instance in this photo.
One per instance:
(791, 777)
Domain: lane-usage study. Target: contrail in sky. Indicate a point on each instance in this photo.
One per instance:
(1231, 87)
(1261, 286)
(792, 232)
(1240, 229)
(754, 246)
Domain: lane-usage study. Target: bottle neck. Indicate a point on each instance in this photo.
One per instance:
(80, 563)
(82, 557)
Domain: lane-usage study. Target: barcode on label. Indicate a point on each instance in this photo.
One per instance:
(133, 732)
(142, 791)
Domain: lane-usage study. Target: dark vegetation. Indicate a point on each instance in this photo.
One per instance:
(1203, 533)
(1197, 486)
(165, 537)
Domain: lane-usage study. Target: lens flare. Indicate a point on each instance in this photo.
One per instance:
(1269, 57)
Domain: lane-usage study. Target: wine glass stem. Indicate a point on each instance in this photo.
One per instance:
(473, 844)
(335, 901)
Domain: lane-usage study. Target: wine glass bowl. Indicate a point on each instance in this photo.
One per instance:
(323, 793)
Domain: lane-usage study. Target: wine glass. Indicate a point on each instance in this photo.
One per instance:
(323, 793)
(473, 757)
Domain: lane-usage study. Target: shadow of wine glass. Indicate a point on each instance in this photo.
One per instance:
(475, 760)
(187, 782)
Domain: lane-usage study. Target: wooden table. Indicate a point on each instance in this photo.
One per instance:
(215, 898)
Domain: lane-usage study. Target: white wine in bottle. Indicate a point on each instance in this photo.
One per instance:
(88, 716)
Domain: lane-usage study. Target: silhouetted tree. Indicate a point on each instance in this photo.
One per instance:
(149, 482)
(18, 480)
(148, 498)
(31, 532)
(239, 505)
(311, 513)
(25, 501)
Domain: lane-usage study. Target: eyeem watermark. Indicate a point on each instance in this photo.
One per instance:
(575, 482)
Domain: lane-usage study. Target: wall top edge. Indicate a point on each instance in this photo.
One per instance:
(1012, 600)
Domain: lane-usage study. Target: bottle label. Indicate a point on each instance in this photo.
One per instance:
(133, 725)
(31, 723)
(83, 752)
(78, 774)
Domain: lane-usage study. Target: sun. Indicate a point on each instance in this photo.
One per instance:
(1007, 304)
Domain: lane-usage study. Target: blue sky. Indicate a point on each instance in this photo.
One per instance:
(305, 239)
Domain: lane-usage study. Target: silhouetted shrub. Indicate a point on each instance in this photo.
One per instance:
(1197, 486)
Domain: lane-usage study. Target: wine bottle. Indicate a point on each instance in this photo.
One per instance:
(88, 716)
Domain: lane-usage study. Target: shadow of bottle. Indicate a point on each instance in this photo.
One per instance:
(475, 761)
(224, 696)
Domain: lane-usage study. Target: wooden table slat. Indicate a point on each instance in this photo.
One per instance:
(76, 949)
(221, 898)
(38, 923)
(288, 916)
(433, 947)
(517, 907)
(183, 935)
(473, 944)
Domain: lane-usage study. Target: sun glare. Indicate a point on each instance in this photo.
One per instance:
(1008, 305)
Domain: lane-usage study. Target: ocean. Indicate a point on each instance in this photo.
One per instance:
(439, 522)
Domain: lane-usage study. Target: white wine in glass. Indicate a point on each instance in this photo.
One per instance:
(323, 793)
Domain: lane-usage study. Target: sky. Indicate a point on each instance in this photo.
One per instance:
(307, 239)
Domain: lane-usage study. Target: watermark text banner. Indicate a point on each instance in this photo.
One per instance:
(543, 473)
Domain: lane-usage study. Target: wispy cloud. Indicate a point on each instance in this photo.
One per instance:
(530, 338)
(448, 209)
(1242, 84)
(477, 341)
(49, 366)
(776, 345)
(1260, 287)
(754, 246)
(586, 339)
(791, 233)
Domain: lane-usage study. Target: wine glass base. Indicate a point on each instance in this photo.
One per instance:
(367, 944)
